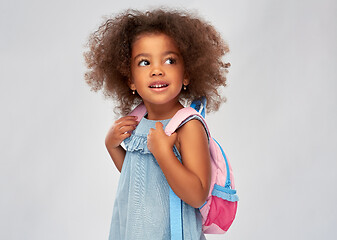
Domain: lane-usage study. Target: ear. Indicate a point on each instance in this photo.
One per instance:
(131, 84)
(186, 81)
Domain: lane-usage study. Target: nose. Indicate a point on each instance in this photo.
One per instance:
(157, 71)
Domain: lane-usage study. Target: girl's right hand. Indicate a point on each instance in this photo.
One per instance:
(120, 129)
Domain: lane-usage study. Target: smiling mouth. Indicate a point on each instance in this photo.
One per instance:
(158, 86)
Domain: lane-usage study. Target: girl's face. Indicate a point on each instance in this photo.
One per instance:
(157, 69)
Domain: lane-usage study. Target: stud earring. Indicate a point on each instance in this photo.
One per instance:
(185, 87)
(133, 92)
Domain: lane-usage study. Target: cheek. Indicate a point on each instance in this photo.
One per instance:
(180, 75)
(179, 71)
(138, 75)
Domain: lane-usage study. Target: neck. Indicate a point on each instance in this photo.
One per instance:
(162, 112)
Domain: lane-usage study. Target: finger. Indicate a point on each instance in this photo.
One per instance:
(126, 118)
(127, 123)
(125, 135)
(126, 129)
(159, 125)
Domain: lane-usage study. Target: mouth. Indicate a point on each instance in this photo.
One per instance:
(158, 85)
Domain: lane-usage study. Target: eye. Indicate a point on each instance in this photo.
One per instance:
(143, 63)
(170, 61)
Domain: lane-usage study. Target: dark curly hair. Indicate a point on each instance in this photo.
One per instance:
(201, 46)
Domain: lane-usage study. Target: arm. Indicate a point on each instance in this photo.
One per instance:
(120, 130)
(191, 179)
(117, 155)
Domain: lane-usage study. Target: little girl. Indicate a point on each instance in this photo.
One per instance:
(164, 59)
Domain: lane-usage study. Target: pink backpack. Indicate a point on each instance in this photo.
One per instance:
(218, 212)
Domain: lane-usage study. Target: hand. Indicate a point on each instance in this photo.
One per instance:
(158, 141)
(120, 129)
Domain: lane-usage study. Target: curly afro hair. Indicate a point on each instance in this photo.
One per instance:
(201, 46)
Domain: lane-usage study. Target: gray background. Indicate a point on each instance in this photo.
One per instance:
(278, 126)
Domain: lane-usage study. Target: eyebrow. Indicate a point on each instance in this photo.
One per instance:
(148, 55)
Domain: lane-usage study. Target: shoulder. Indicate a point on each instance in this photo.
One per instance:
(192, 133)
(191, 127)
(194, 124)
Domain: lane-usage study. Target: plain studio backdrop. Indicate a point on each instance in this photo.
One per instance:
(278, 125)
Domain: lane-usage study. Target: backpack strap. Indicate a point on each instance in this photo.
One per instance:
(180, 118)
(196, 104)
(176, 221)
(139, 111)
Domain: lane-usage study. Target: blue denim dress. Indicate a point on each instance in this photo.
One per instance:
(141, 209)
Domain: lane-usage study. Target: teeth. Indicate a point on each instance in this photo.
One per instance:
(158, 85)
